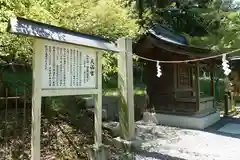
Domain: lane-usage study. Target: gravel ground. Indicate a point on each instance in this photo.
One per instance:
(170, 143)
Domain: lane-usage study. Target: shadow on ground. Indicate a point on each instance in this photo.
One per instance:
(157, 155)
(224, 120)
(75, 127)
(66, 131)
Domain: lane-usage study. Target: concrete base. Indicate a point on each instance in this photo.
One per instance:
(100, 153)
(126, 145)
(182, 121)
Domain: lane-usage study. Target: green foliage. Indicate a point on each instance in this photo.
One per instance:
(226, 36)
(17, 81)
(206, 23)
(108, 18)
(205, 26)
(219, 89)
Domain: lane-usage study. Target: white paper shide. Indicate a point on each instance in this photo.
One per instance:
(68, 67)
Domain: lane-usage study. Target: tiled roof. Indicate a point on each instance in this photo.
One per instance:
(165, 34)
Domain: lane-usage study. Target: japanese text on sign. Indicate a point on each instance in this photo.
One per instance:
(66, 67)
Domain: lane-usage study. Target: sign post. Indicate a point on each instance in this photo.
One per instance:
(60, 70)
(65, 63)
(36, 106)
(125, 85)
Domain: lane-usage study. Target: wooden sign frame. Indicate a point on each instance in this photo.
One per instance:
(44, 34)
(39, 92)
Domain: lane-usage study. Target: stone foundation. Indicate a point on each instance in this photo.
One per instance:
(182, 121)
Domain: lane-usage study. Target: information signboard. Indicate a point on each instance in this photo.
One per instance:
(68, 67)
(65, 63)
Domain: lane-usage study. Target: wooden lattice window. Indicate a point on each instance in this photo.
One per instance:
(183, 76)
